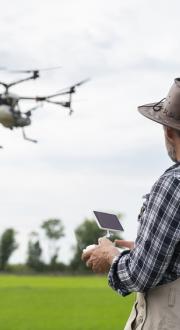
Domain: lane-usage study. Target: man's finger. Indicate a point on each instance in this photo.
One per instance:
(89, 263)
(86, 254)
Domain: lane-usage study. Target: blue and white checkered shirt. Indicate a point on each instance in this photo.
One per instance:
(155, 260)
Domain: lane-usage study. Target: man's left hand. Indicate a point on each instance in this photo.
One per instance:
(101, 257)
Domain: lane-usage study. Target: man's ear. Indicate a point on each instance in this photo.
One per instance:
(169, 134)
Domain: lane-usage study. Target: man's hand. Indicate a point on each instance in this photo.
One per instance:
(100, 258)
(126, 244)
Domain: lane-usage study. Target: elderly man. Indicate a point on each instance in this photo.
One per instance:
(151, 265)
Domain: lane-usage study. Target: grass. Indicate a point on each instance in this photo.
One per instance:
(61, 303)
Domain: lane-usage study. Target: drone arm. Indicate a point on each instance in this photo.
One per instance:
(4, 84)
(20, 81)
(35, 98)
(44, 98)
(65, 91)
(32, 98)
(66, 104)
(63, 104)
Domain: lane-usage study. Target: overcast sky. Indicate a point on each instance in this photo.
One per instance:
(106, 156)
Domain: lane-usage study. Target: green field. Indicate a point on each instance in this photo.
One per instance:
(61, 303)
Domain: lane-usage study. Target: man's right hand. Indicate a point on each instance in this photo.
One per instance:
(126, 244)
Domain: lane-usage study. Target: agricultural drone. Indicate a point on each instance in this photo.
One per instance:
(11, 115)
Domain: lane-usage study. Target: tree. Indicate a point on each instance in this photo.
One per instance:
(7, 246)
(34, 252)
(86, 234)
(54, 230)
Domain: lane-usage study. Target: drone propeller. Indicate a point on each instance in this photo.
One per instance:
(71, 89)
(35, 70)
(68, 90)
(82, 82)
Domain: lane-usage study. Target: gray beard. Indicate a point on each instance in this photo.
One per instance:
(172, 153)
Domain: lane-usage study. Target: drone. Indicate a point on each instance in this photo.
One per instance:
(11, 115)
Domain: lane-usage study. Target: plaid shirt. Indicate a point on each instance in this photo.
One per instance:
(155, 260)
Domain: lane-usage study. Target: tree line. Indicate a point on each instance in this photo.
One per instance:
(86, 233)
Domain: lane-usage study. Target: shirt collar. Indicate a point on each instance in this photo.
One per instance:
(173, 166)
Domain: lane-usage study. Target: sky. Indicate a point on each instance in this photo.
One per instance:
(105, 156)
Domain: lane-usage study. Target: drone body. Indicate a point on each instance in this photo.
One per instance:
(10, 114)
(6, 116)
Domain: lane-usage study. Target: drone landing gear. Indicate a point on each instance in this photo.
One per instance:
(26, 138)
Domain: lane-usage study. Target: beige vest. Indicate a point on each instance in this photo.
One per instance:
(158, 309)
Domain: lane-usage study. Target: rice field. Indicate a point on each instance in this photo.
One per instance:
(61, 303)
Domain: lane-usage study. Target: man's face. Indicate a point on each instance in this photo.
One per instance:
(170, 146)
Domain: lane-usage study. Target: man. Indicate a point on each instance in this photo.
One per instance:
(151, 265)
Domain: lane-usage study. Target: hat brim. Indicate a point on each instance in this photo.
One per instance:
(160, 116)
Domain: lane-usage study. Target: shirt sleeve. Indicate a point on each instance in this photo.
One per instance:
(144, 267)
